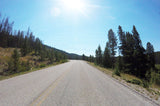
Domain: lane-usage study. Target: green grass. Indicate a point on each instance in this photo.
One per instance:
(34, 69)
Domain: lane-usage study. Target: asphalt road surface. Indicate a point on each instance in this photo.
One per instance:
(74, 83)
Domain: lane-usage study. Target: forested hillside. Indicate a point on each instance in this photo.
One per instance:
(22, 51)
(69, 55)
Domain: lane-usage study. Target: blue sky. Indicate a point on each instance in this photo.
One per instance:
(81, 29)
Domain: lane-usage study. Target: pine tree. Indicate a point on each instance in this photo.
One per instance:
(15, 57)
(140, 59)
(31, 41)
(25, 47)
(112, 45)
(96, 58)
(5, 31)
(122, 41)
(91, 58)
(18, 39)
(51, 56)
(107, 57)
(83, 57)
(57, 56)
(128, 54)
(150, 55)
(138, 42)
(99, 56)
(119, 64)
(43, 53)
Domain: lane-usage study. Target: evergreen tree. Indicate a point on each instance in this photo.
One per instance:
(57, 57)
(99, 55)
(138, 42)
(128, 53)
(25, 47)
(83, 57)
(119, 64)
(51, 56)
(150, 55)
(107, 57)
(43, 53)
(122, 41)
(18, 39)
(140, 59)
(5, 31)
(91, 58)
(31, 42)
(38, 46)
(15, 57)
(112, 45)
(96, 58)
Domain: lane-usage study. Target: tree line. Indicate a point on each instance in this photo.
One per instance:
(27, 43)
(132, 57)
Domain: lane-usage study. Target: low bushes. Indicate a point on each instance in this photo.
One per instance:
(42, 65)
(143, 83)
(135, 81)
(116, 72)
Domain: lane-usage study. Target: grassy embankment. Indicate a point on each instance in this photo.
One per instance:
(35, 64)
(31, 70)
(153, 91)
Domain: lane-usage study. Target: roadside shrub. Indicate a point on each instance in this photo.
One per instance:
(155, 78)
(10, 66)
(25, 66)
(135, 81)
(42, 65)
(63, 61)
(145, 84)
(116, 72)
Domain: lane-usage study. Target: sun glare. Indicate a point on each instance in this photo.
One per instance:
(74, 4)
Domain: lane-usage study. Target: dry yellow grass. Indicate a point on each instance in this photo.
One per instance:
(6, 53)
(110, 72)
(25, 72)
(107, 71)
(129, 77)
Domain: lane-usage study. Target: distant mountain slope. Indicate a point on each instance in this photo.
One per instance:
(69, 55)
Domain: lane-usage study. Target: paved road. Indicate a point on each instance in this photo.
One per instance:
(70, 84)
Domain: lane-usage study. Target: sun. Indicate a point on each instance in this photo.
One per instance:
(74, 4)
